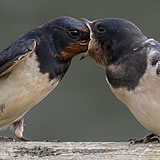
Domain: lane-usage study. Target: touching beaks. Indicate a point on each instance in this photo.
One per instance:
(84, 43)
(88, 23)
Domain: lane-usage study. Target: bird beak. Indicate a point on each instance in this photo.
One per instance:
(88, 24)
(84, 55)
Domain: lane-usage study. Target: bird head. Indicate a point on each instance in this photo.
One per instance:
(112, 38)
(68, 35)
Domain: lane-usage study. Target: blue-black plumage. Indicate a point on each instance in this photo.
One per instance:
(34, 64)
(132, 64)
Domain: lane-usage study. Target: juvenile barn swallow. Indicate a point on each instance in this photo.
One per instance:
(132, 64)
(32, 66)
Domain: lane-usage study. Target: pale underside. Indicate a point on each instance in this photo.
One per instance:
(23, 88)
(144, 101)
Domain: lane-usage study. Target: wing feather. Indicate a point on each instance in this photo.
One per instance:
(15, 53)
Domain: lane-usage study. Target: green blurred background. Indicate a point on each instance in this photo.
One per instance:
(82, 107)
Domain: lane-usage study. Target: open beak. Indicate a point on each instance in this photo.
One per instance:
(84, 43)
(88, 24)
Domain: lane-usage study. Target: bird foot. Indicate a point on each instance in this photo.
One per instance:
(147, 139)
(6, 139)
(23, 139)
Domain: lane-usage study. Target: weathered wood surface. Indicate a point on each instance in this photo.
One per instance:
(78, 151)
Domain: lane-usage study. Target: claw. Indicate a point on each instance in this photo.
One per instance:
(147, 139)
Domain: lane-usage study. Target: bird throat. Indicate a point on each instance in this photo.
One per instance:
(95, 51)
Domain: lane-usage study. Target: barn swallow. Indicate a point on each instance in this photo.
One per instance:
(32, 66)
(132, 65)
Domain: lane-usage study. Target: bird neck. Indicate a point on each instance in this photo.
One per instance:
(128, 69)
(124, 46)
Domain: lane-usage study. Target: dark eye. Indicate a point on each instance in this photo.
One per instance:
(101, 29)
(74, 33)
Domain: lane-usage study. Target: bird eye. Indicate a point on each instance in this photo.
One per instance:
(74, 33)
(101, 29)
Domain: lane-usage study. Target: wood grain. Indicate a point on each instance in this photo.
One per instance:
(78, 151)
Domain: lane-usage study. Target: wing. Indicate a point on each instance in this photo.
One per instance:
(15, 53)
(154, 54)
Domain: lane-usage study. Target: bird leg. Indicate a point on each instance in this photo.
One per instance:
(146, 139)
(18, 130)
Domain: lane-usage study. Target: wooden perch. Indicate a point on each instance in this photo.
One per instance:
(78, 151)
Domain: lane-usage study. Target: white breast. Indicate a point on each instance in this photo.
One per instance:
(22, 89)
(144, 101)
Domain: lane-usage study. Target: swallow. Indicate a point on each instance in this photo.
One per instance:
(132, 65)
(33, 65)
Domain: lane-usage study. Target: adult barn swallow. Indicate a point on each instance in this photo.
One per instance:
(32, 66)
(132, 64)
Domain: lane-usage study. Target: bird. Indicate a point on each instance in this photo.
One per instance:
(33, 65)
(132, 65)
